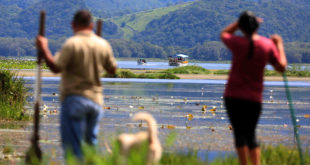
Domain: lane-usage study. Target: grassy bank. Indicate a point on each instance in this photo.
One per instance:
(278, 155)
(270, 155)
(13, 96)
(187, 70)
(294, 70)
(170, 73)
(289, 73)
(191, 69)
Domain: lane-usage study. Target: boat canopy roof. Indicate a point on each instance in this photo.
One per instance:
(180, 55)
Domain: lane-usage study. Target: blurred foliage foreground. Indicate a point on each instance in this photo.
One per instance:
(13, 95)
(271, 155)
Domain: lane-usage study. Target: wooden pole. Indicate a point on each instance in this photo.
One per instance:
(99, 27)
(34, 153)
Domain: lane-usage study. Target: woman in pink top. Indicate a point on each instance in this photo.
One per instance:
(243, 93)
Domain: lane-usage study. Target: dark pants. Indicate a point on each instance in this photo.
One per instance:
(243, 116)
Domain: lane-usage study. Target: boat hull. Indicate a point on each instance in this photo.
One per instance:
(141, 63)
(178, 64)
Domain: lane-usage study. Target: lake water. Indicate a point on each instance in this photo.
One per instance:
(164, 65)
(170, 102)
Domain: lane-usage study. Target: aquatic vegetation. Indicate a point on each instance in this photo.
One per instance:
(204, 108)
(294, 70)
(298, 73)
(221, 72)
(171, 126)
(19, 64)
(290, 72)
(13, 96)
(205, 130)
(187, 126)
(189, 117)
(213, 109)
(191, 69)
(124, 73)
(200, 136)
(157, 76)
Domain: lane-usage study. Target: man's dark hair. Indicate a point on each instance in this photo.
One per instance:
(82, 18)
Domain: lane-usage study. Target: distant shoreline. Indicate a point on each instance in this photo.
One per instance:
(31, 73)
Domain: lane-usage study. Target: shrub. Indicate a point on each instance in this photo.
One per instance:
(125, 74)
(13, 96)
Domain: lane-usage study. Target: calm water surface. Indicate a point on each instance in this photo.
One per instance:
(170, 102)
(164, 65)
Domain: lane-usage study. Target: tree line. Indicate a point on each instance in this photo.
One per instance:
(297, 52)
(194, 30)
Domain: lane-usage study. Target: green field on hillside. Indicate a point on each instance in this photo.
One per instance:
(137, 22)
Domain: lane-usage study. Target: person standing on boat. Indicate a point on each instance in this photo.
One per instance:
(81, 61)
(243, 93)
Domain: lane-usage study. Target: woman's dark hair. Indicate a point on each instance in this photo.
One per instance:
(82, 18)
(248, 24)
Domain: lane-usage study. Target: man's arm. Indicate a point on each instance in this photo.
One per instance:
(111, 70)
(281, 65)
(42, 45)
(110, 62)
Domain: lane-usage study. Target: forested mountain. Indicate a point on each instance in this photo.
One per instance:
(19, 3)
(192, 28)
(202, 21)
(108, 8)
(195, 28)
(58, 18)
(132, 24)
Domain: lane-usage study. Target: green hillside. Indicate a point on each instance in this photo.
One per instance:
(135, 23)
(203, 20)
(108, 8)
(191, 28)
(18, 22)
(58, 17)
(194, 28)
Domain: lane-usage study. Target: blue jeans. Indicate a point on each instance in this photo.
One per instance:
(79, 120)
